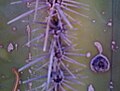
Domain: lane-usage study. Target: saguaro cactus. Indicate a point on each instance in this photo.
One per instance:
(50, 69)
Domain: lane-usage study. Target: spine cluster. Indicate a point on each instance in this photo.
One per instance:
(54, 43)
